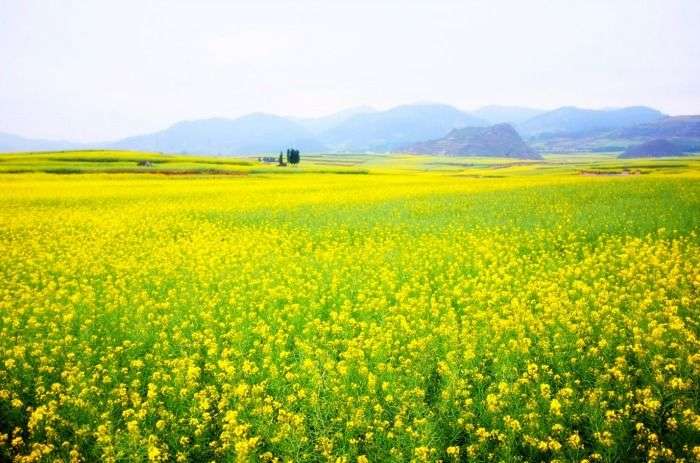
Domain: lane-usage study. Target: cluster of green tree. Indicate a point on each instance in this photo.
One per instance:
(293, 157)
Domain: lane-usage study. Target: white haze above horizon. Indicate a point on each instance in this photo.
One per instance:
(98, 70)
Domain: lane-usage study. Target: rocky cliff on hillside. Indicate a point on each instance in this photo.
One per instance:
(496, 140)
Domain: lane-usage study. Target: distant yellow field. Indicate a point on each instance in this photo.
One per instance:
(351, 309)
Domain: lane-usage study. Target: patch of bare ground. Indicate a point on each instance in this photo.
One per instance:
(605, 173)
(514, 164)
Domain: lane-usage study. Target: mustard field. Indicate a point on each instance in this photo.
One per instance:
(351, 310)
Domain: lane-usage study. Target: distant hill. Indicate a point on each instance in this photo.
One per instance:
(576, 120)
(319, 125)
(251, 134)
(682, 131)
(676, 127)
(386, 130)
(13, 143)
(495, 114)
(496, 140)
(653, 149)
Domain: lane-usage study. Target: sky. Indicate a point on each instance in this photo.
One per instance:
(102, 70)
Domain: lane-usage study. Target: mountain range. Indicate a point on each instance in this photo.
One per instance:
(570, 119)
(254, 133)
(683, 131)
(363, 129)
(14, 143)
(382, 131)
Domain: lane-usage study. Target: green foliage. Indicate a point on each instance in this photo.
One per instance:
(293, 156)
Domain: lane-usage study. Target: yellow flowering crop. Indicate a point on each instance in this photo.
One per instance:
(396, 316)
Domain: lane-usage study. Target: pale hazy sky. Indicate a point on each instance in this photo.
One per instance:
(98, 70)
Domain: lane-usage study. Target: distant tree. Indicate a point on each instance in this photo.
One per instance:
(293, 157)
(281, 160)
